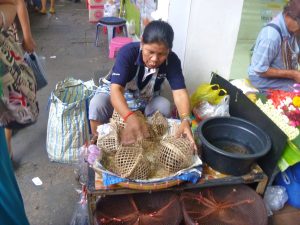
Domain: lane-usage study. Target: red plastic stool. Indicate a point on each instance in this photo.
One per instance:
(116, 43)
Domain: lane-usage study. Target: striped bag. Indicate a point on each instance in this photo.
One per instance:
(18, 100)
(68, 125)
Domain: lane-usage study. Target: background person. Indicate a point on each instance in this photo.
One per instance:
(135, 81)
(274, 63)
(12, 210)
(44, 7)
(28, 45)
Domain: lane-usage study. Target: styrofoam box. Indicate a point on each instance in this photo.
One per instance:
(96, 2)
(95, 13)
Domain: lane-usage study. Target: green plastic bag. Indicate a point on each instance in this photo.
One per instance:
(290, 156)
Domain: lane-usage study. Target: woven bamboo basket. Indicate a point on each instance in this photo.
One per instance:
(159, 124)
(116, 118)
(110, 142)
(148, 158)
(130, 162)
(175, 154)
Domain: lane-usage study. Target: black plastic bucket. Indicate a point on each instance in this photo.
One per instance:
(230, 145)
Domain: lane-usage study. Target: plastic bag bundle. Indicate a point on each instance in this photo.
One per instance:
(159, 124)
(80, 214)
(81, 166)
(175, 154)
(110, 142)
(290, 179)
(130, 162)
(211, 93)
(204, 109)
(94, 153)
(275, 197)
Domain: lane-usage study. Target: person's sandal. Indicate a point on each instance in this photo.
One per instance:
(43, 11)
(52, 10)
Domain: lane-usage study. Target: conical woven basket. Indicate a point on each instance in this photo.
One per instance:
(175, 154)
(110, 142)
(116, 118)
(159, 124)
(130, 162)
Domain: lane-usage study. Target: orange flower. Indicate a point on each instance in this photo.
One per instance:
(296, 101)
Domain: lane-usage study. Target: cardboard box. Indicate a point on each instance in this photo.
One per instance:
(95, 13)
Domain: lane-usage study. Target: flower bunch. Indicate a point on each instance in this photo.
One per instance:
(287, 103)
(281, 120)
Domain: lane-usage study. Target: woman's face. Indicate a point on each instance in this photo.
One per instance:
(154, 54)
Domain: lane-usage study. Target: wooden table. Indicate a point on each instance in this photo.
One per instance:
(210, 178)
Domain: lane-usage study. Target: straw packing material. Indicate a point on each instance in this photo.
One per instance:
(175, 154)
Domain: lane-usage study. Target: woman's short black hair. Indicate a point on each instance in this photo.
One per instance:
(158, 31)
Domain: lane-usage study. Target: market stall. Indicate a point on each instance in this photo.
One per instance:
(264, 169)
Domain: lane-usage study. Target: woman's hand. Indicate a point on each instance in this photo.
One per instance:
(29, 45)
(135, 130)
(185, 131)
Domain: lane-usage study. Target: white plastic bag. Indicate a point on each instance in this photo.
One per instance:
(131, 27)
(206, 110)
(275, 198)
(244, 85)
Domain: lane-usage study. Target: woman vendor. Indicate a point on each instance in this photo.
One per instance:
(134, 84)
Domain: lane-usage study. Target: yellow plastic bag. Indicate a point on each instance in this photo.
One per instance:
(211, 93)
